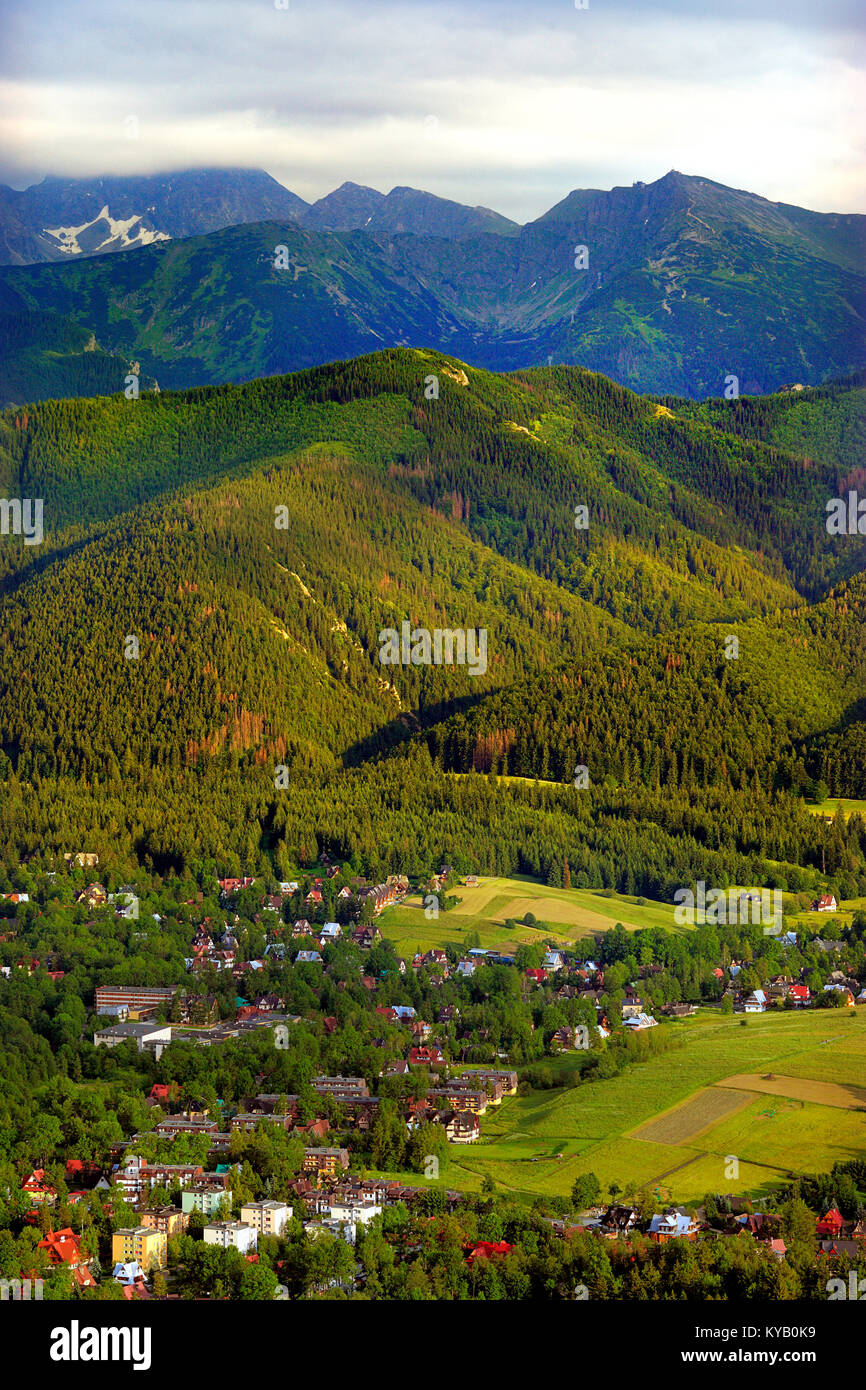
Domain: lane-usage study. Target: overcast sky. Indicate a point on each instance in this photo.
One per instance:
(507, 104)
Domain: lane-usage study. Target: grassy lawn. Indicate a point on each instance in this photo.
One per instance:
(596, 1126)
(567, 915)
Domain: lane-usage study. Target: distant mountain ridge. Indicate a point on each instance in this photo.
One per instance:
(59, 219)
(116, 213)
(680, 287)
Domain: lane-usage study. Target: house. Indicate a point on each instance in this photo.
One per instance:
(426, 1057)
(831, 1224)
(553, 960)
(37, 1189)
(562, 1040)
(618, 1219)
(826, 903)
(462, 1128)
(672, 1225)
(755, 1003)
(538, 976)
(308, 958)
(465, 969)
(799, 995)
(237, 1234)
(129, 1273)
(164, 1093)
(847, 996)
(82, 1174)
(640, 1021)
(395, 1069)
(837, 1248)
(94, 895)
(144, 1244)
(64, 1249)
(488, 1250)
(331, 931)
(267, 1217)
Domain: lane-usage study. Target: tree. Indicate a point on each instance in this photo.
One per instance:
(585, 1191)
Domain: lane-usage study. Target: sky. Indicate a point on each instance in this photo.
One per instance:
(494, 102)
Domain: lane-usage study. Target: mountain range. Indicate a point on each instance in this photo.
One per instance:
(680, 286)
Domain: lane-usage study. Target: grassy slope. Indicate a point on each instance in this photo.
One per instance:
(593, 1125)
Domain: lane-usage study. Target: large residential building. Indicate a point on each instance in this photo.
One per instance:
(206, 1198)
(142, 1243)
(326, 1161)
(268, 1217)
(170, 1220)
(137, 1176)
(122, 998)
(227, 1233)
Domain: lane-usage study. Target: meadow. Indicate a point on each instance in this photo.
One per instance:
(850, 807)
(667, 1125)
(565, 915)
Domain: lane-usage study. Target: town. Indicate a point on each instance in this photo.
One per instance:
(248, 1075)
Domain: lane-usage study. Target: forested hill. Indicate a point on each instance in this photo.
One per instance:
(218, 566)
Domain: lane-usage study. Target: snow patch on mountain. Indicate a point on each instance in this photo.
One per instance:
(116, 234)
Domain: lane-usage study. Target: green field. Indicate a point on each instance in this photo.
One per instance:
(565, 914)
(849, 806)
(595, 1127)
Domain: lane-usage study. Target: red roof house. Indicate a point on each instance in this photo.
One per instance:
(831, 1224)
(486, 1250)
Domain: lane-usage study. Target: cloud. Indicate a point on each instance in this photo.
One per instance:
(489, 102)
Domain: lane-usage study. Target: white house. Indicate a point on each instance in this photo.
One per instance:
(755, 1003)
